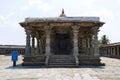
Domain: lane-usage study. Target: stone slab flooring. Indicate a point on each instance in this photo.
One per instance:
(109, 72)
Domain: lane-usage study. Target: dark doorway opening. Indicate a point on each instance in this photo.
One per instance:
(63, 44)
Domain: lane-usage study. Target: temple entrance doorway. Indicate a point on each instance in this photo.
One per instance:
(63, 44)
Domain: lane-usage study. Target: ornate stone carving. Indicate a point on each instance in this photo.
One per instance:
(48, 33)
(27, 48)
(75, 28)
(47, 27)
(33, 45)
(95, 30)
(75, 39)
(96, 49)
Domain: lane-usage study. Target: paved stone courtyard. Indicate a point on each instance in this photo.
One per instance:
(109, 72)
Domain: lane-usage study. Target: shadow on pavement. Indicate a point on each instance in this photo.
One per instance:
(99, 67)
(19, 66)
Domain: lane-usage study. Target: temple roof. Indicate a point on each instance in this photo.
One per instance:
(62, 19)
(12, 46)
(111, 44)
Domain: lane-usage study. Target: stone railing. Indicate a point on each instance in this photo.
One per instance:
(46, 60)
(76, 60)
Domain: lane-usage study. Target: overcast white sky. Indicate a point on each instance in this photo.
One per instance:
(14, 11)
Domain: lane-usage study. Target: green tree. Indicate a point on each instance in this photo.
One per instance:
(104, 40)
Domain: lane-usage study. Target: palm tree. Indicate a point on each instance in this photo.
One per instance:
(104, 40)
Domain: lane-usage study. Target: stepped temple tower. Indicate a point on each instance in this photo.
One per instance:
(62, 41)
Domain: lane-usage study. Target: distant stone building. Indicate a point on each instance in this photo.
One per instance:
(110, 50)
(7, 49)
(62, 41)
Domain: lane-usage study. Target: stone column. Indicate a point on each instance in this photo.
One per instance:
(118, 50)
(114, 50)
(83, 42)
(75, 39)
(33, 45)
(27, 48)
(85, 46)
(88, 45)
(38, 47)
(111, 51)
(75, 43)
(48, 32)
(96, 48)
(106, 51)
(41, 44)
(88, 42)
(91, 44)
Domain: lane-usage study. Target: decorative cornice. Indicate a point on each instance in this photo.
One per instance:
(75, 27)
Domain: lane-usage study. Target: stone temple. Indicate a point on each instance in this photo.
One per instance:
(62, 41)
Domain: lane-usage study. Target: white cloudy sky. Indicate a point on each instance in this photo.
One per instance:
(14, 11)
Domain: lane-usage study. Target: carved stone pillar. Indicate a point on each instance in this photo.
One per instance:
(84, 43)
(42, 44)
(33, 45)
(75, 39)
(96, 48)
(118, 50)
(38, 47)
(27, 48)
(88, 45)
(114, 51)
(91, 41)
(48, 32)
(91, 44)
(106, 51)
(88, 42)
(111, 51)
(75, 43)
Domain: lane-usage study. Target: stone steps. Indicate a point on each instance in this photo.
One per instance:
(62, 66)
(61, 61)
